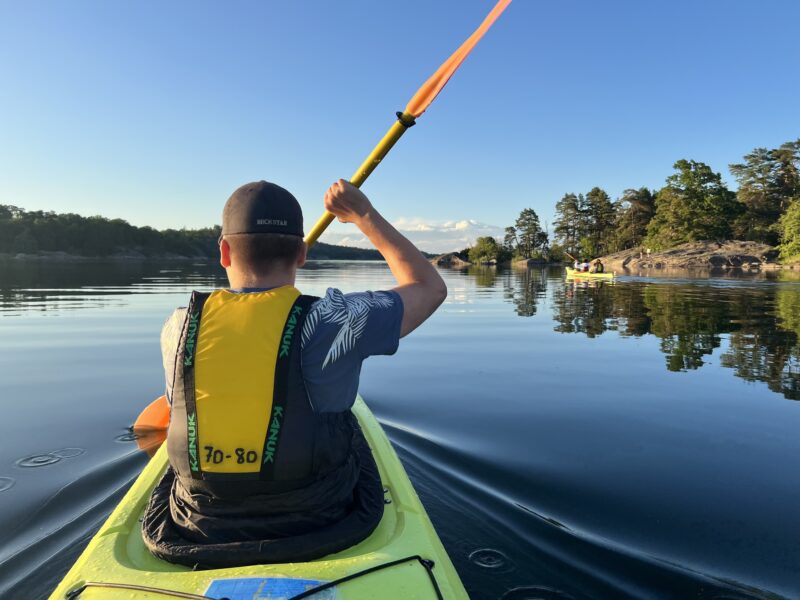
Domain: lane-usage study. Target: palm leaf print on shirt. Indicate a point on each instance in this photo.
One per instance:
(349, 312)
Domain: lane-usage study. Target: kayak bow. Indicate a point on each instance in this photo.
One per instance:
(402, 558)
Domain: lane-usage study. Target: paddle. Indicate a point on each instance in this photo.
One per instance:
(150, 428)
(416, 106)
(155, 417)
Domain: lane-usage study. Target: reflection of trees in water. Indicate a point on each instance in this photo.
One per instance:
(41, 285)
(584, 307)
(484, 276)
(688, 325)
(763, 323)
(524, 288)
(771, 353)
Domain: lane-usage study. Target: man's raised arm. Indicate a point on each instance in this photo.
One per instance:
(419, 284)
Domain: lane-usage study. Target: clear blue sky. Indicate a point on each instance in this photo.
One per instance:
(156, 111)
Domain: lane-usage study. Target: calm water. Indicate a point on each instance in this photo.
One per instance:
(638, 439)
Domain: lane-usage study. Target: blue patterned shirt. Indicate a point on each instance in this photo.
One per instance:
(340, 331)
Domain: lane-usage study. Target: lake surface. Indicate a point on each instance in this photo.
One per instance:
(569, 440)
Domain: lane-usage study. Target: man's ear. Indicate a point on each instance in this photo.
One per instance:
(301, 257)
(224, 253)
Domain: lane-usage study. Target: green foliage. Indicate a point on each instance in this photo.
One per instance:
(510, 241)
(486, 249)
(694, 205)
(321, 251)
(25, 243)
(32, 231)
(569, 226)
(529, 234)
(586, 249)
(29, 232)
(525, 239)
(555, 253)
(586, 225)
(599, 223)
(634, 210)
(463, 254)
(790, 231)
(787, 169)
(768, 182)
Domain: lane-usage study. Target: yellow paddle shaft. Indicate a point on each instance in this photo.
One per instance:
(399, 127)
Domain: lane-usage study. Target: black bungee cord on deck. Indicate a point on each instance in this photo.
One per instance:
(136, 588)
(426, 563)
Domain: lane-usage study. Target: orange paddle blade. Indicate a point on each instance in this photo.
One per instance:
(431, 88)
(150, 440)
(155, 416)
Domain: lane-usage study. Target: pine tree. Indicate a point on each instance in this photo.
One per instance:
(694, 205)
(634, 211)
(510, 240)
(769, 180)
(528, 232)
(787, 172)
(568, 226)
(600, 222)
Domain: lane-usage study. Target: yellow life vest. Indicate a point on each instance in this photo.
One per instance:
(232, 383)
(257, 476)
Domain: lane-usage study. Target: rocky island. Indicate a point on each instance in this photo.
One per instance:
(700, 255)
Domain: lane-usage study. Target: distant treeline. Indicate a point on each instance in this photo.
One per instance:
(32, 232)
(694, 205)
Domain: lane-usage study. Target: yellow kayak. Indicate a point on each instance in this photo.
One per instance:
(573, 274)
(402, 558)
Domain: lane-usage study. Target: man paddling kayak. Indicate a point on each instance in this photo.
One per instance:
(265, 456)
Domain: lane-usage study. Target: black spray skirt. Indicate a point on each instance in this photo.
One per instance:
(329, 515)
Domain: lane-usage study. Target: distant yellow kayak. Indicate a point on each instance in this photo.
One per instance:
(573, 274)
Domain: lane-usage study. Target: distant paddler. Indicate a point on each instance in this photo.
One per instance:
(587, 268)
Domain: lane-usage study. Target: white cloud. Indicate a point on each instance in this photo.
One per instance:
(431, 236)
(412, 224)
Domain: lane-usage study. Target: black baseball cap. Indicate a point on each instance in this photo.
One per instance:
(262, 207)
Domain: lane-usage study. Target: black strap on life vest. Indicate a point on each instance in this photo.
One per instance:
(186, 356)
(288, 357)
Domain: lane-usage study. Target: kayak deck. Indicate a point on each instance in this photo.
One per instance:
(573, 274)
(117, 553)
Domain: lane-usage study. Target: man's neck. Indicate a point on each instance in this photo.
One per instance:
(240, 281)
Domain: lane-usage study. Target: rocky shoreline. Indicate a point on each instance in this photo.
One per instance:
(699, 256)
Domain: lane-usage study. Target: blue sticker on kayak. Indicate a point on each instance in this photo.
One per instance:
(265, 588)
